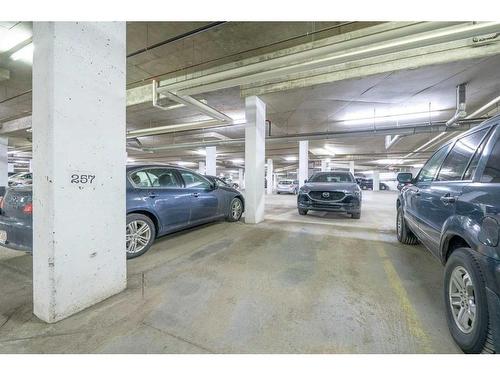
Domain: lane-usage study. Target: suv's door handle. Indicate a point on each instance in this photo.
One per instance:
(446, 199)
(195, 195)
(417, 193)
(151, 195)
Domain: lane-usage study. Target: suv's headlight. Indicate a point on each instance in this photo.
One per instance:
(304, 190)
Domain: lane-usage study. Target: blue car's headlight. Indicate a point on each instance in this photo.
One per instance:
(304, 190)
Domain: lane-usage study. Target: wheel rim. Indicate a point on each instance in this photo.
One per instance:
(236, 209)
(138, 236)
(462, 299)
(399, 224)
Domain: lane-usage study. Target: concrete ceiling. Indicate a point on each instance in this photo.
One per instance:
(319, 108)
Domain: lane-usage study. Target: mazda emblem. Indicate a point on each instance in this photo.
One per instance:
(326, 194)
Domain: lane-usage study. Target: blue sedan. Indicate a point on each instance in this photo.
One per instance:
(161, 199)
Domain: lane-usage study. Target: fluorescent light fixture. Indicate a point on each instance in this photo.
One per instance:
(201, 152)
(420, 165)
(25, 54)
(9, 38)
(290, 158)
(389, 161)
(484, 108)
(329, 149)
(237, 161)
(391, 117)
(30, 130)
(185, 163)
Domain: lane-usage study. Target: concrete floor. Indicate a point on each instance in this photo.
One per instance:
(322, 283)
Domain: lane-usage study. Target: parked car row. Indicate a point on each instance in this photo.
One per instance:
(367, 184)
(452, 207)
(161, 199)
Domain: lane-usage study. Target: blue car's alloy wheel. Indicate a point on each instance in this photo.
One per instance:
(140, 234)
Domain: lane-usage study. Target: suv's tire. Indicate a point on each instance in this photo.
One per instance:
(235, 210)
(356, 215)
(302, 211)
(145, 231)
(404, 234)
(463, 279)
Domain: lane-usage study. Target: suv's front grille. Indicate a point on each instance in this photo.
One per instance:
(327, 195)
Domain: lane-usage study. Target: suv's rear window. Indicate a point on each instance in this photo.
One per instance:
(492, 171)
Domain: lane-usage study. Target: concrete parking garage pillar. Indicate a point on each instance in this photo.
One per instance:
(269, 176)
(241, 181)
(79, 142)
(323, 165)
(351, 167)
(303, 161)
(211, 161)
(255, 150)
(4, 165)
(376, 180)
(201, 167)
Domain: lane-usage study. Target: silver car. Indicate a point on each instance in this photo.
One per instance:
(287, 186)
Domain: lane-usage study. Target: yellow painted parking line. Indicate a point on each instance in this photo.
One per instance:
(414, 324)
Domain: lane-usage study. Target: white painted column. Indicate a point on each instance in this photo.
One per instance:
(255, 149)
(275, 181)
(269, 176)
(323, 165)
(303, 161)
(4, 164)
(79, 151)
(211, 161)
(31, 165)
(376, 180)
(351, 167)
(201, 167)
(240, 178)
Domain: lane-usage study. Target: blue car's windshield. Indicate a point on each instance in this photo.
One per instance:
(331, 177)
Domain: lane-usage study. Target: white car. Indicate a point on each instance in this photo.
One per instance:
(287, 186)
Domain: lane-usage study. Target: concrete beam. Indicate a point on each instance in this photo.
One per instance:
(410, 59)
(22, 123)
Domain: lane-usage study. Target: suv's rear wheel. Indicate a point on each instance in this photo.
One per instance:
(405, 235)
(141, 234)
(466, 302)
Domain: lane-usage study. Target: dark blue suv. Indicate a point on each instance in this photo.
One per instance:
(453, 208)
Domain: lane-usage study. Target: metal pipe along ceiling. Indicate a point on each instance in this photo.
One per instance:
(401, 130)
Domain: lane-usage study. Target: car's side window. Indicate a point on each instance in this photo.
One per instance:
(458, 158)
(429, 170)
(194, 181)
(140, 179)
(163, 178)
(492, 171)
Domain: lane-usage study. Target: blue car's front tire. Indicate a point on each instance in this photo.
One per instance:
(140, 235)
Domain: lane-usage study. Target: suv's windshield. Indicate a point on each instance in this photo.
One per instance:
(331, 177)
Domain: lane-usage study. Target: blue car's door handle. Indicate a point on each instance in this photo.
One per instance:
(151, 195)
(195, 195)
(446, 199)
